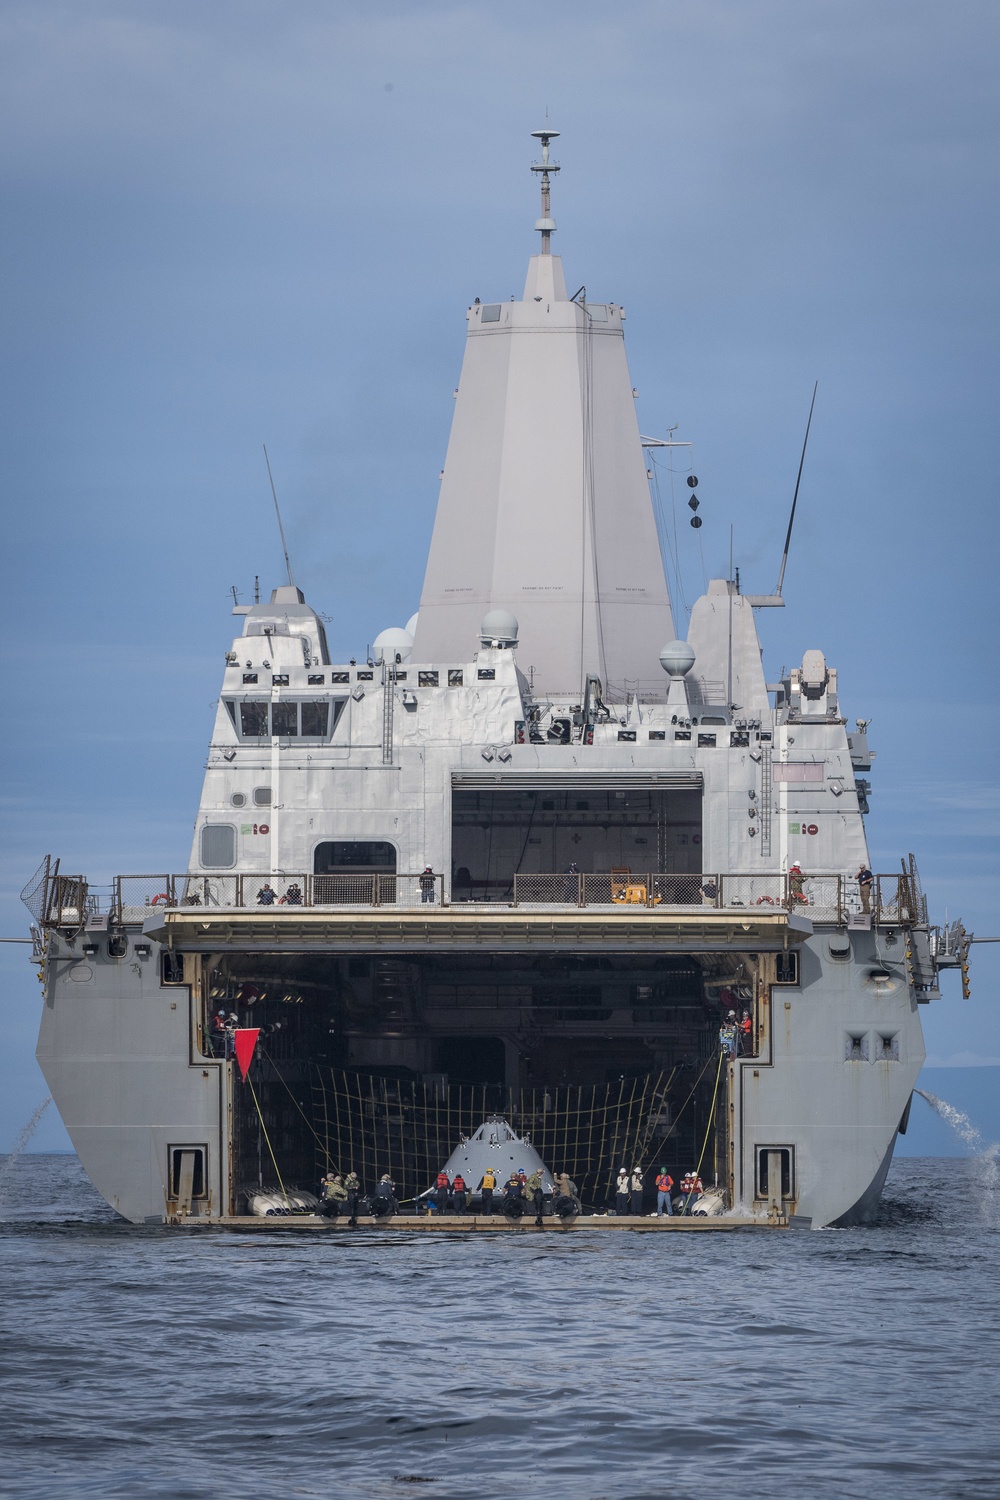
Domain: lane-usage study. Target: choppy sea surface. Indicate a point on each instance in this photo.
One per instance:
(145, 1362)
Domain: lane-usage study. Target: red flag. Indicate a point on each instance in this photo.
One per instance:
(244, 1042)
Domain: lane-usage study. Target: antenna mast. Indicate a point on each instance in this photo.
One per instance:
(284, 544)
(546, 224)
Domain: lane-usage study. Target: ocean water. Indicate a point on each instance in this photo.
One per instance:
(854, 1363)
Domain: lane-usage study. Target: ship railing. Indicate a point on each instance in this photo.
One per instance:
(826, 898)
(764, 891)
(136, 897)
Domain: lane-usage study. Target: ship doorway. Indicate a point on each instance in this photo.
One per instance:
(499, 832)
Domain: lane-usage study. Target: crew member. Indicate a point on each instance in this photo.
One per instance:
(458, 1197)
(635, 1190)
(728, 1034)
(664, 1182)
(487, 1185)
(866, 882)
(691, 1189)
(535, 1194)
(384, 1198)
(796, 881)
(353, 1185)
(427, 886)
(565, 1203)
(333, 1195)
(622, 1190)
(442, 1192)
(266, 896)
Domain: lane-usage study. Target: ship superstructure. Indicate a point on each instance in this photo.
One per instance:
(521, 858)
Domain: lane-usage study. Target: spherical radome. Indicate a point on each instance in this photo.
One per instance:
(411, 624)
(499, 625)
(389, 644)
(677, 658)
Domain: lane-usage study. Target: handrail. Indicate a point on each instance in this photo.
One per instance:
(827, 897)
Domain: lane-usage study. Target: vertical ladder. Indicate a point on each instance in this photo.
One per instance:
(388, 695)
(766, 793)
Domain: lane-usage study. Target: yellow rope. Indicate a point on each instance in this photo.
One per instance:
(708, 1127)
(269, 1146)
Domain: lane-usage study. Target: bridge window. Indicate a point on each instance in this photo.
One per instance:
(285, 720)
(253, 720)
(315, 718)
(310, 718)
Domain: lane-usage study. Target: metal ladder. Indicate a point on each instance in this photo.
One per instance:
(766, 793)
(388, 696)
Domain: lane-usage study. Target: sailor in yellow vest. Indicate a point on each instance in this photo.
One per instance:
(487, 1184)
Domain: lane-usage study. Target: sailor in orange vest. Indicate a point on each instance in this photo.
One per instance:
(442, 1192)
(664, 1183)
(458, 1193)
(692, 1188)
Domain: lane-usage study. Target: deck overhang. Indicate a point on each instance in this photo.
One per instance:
(458, 929)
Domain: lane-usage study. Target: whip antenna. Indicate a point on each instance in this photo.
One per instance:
(284, 544)
(791, 518)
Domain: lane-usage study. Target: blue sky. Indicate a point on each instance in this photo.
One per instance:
(262, 222)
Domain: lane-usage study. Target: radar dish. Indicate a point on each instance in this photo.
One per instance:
(389, 644)
(677, 658)
(500, 626)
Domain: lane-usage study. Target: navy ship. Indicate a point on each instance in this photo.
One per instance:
(537, 856)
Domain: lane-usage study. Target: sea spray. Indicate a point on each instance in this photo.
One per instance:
(986, 1154)
(19, 1146)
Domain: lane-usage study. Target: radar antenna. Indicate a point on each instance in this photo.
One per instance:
(546, 224)
(277, 511)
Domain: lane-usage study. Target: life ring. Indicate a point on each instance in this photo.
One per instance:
(161, 897)
(765, 900)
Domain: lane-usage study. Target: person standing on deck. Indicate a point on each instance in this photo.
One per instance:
(534, 1193)
(427, 886)
(352, 1183)
(622, 1188)
(635, 1186)
(796, 882)
(866, 883)
(487, 1185)
(664, 1183)
(458, 1193)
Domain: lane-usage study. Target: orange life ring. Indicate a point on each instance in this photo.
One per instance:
(765, 900)
(161, 897)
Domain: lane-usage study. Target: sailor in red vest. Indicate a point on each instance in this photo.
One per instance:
(442, 1192)
(692, 1189)
(458, 1192)
(664, 1182)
